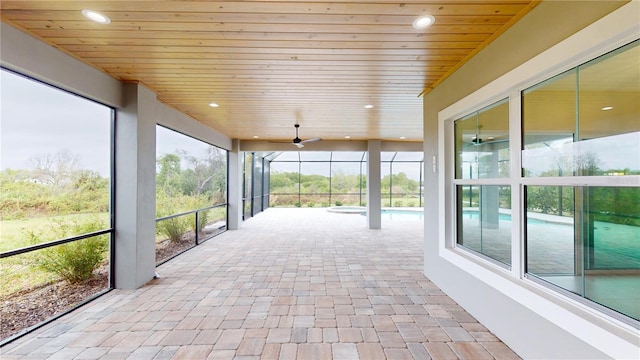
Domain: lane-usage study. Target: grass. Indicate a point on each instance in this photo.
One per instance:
(14, 234)
(19, 273)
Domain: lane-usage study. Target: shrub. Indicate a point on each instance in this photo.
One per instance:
(338, 203)
(297, 204)
(203, 218)
(398, 203)
(76, 261)
(310, 204)
(173, 228)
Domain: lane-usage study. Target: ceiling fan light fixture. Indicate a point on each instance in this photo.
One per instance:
(299, 142)
(96, 16)
(423, 22)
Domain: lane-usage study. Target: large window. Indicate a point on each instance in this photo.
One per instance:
(563, 212)
(55, 201)
(191, 192)
(583, 236)
(482, 160)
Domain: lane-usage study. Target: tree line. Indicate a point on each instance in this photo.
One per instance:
(54, 184)
(339, 182)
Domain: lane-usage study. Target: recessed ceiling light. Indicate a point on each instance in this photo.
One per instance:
(256, 137)
(347, 137)
(423, 22)
(214, 105)
(607, 108)
(403, 137)
(368, 106)
(96, 16)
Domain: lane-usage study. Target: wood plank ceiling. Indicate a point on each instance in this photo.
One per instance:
(271, 64)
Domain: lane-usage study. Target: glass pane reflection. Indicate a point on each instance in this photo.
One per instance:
(482, 143)
(586, 121)
(590, 247)
(484, 220)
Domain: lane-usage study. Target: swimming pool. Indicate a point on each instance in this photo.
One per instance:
(403, 214)
(417, 214)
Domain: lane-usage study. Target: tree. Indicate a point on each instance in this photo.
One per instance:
(205, 175)
(587, 164)
(344, 183)
(283, 182)
(56, 169)
(88, 180)
(400, 182)
(169, 174)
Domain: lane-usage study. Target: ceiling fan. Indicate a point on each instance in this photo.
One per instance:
(299, 142)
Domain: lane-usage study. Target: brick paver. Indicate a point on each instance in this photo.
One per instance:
(290, 284)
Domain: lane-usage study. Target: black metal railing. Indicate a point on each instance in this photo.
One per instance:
(197, 227)
(45, 245)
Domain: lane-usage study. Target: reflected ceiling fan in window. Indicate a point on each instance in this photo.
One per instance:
(299, 142)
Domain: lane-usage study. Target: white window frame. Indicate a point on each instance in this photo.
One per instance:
(609, 33)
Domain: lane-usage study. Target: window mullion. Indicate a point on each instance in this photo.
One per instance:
(517, 198)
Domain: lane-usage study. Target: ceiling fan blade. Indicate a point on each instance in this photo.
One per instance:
(298, 145)
(311, 140)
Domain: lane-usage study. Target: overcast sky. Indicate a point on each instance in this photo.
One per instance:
(37, 120)
(615, 152)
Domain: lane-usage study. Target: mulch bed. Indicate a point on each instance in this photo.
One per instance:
(166, 249)
(29, 307)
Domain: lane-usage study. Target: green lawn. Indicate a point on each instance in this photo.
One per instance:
(14, 234)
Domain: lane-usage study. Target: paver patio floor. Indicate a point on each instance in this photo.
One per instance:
(290, 284)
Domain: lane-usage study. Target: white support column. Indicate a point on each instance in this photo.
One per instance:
(373, 184)
(234, 195)
(135, 195)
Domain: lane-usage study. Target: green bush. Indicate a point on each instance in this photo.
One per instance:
(76, 261)
(297, 204)
(338, 203)
(173, 228)
(203, 218)
(311, 204)
(398, 203)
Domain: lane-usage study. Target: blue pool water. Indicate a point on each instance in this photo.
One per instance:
(418, 215)
(388, 214)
